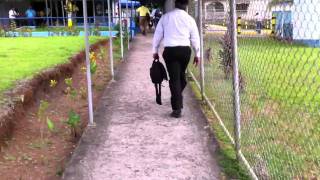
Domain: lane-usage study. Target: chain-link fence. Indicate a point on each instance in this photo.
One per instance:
(277, 49)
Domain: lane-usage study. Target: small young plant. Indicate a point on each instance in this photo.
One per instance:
(73, 122)
(102, 54)
(83, 69)
(226, 59)
(53, 83)
(93, 63)
(43, 107)
(50, 125)
(70, 90)
(83, 92)
(68, 82)
(44, 119)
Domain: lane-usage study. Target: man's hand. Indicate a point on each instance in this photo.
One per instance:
(156, 56)
(196, 61)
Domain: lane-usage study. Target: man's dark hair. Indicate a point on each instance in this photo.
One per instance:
(182, 4)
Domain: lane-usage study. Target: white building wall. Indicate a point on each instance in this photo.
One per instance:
(306, 20)
(258, 6)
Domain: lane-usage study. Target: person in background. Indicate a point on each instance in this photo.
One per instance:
(156, 15)
(12, 17)
(144, 17)
(30, 14)
(258, 23)
(42, 20)
(178, 30)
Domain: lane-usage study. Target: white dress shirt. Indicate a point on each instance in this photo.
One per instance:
(177, 28)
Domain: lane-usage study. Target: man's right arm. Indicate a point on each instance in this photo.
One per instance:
(195, 38)
(195, 42)
(157, 37)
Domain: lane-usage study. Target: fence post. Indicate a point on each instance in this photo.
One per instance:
(94, 11)
(201, 48)
(63, 18)
(47, 20)
(90, 105)
(131, 21)
(128, 21)
(110, 41)
(104, 12)
(120, 25)
(236, 98)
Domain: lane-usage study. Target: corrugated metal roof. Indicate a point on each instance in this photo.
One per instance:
(238, 1)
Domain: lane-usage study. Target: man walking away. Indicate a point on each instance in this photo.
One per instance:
(30, 14)
(144, 15)
(12, 17)
(178, 30)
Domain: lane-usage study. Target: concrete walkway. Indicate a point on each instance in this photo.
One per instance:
(137, 139)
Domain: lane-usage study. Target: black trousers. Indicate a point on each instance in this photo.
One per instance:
(177, 59)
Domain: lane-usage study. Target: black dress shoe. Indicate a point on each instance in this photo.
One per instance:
(176, 113)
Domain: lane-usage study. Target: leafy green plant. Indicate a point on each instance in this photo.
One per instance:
(83, 93)
(2, 31)
(44, 119)
(68, 82)
(93, 63)
(73, 122)
(117, 28)
(50, 125)
(96, 30)
(225, 58)
(102, 54)
(70, 90)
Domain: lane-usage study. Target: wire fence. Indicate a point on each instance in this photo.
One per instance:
(37, 27)
(279, 84)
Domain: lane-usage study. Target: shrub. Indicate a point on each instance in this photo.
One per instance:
(225, 57)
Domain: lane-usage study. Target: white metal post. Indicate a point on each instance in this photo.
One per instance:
(94, 11)
(113, 11)
(51, 9)
(104, 12)
(132, 20)
(128, 22)
(47, 21)
(121, 32)
(85, 14)
(64, 22)
(110, 41)
(235, 64)
(201, 48)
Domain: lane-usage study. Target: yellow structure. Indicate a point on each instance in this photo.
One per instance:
(273, 25)
(239, 25)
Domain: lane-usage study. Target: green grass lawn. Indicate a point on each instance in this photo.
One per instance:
(21, 58)
(279, 104)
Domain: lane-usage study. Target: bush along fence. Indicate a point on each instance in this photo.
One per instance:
(260, 77)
